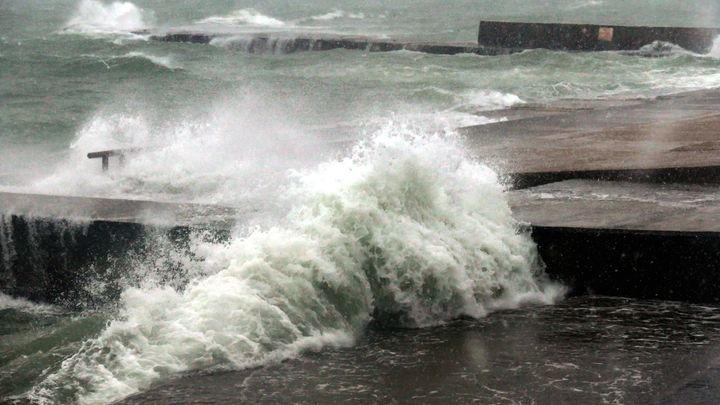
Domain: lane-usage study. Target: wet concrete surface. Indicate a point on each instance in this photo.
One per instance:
(593, 204)
(677, 131)
(118, 210)
(586, 350)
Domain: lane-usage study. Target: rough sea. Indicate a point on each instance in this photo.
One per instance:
(381, 261)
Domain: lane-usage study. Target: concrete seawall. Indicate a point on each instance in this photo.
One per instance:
(494, 38)
(587, 37)
(76, 251)
(639, 217)
(656, 241)
(284, 43)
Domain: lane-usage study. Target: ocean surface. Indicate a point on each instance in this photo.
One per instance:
(381, 253)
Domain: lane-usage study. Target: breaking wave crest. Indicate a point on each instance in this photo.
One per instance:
(95, 17)
(407, 231)
(165, 62)
(246, 16)
(337, 14)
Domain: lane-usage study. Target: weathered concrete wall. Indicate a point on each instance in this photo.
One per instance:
(586, 37)
(58, 260)
(640, 240)
(284, 44)
(630, 263)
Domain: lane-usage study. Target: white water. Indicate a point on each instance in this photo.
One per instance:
(337, 14)
(96, 17)
(166, 62)
(21, 304)
(408, 229)
(715, 51)
(239, 151)
(246, 16)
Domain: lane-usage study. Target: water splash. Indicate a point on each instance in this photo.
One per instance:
(715, 50)
(23, 305)
(486, 100)
(337, 14)
(246, 16)
(407, 230)
(95, 17)
(237, 151)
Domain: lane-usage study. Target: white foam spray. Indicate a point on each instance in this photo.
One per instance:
(246, 16)
(715, 50)
(488, 100)
(407, 230)
(23, 305)
(239, 150)
(95, 17)
(337, 14)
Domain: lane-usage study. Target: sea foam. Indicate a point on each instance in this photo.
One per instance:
(407, 230)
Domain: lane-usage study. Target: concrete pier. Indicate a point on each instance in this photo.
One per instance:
(586, 37)
(494, 38)
(670, 138)
(53, 248)
(638, 216)
(291, 42)
(632, 208)
(658, 241)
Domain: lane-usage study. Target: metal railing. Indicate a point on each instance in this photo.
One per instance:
(105, 155)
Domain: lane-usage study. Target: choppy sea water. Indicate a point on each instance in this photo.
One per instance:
(400, 228)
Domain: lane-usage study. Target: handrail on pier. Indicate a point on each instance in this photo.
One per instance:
(105, 155)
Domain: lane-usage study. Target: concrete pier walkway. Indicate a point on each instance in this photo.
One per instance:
(659, 241)
(671, 138)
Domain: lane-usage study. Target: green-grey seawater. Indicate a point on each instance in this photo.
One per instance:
(223, 127)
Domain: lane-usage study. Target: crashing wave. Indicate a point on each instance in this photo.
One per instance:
(95, 17)
(408, 231)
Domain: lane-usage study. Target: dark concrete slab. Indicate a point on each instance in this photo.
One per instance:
(586, 37)
(627, 239)
(80, 251)
(668, 134)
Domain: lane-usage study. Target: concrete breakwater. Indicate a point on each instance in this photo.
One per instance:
(637, 218)
(74, 250)
(589, 37)
(494, 38)
(666, 139)
(283, 43)
(627, 239)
